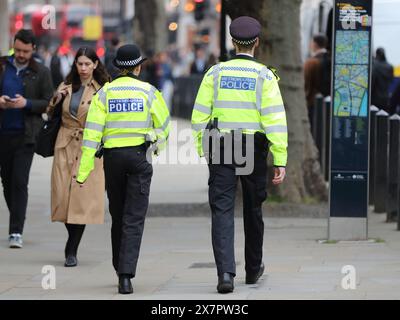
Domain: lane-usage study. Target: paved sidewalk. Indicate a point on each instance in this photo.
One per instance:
(176, 262)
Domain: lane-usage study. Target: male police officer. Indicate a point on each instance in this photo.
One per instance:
(241, 95)
(124, 114)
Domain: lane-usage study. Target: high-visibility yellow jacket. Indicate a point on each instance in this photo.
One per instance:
(244, 95)
(126, 112)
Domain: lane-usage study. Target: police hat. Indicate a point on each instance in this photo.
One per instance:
(245, 30)
(128, 56)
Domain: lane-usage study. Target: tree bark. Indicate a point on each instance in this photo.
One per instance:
(280, 48)
(4, 28)
(150, 29)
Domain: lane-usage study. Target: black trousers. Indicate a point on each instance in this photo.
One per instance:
(222, 189)
(128, 178)
(15, 164)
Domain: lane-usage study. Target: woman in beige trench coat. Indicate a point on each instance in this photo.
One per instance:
(71, 204)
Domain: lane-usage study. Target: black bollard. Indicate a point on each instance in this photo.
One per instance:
(381, 161)
(394, 162)
(327, 119)
(373, 111)
(398, 216)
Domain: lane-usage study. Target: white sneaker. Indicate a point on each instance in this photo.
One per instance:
(15, 240)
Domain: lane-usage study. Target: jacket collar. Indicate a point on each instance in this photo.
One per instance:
(130, 75)
(32, 65)
(243, 56)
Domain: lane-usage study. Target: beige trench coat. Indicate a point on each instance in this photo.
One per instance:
(71, 203)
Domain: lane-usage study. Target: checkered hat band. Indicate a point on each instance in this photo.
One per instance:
(129, 63)
(245, 42)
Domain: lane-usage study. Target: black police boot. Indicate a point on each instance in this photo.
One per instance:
(225, 283)
(125, 285)
(71, 261)
(253, 278)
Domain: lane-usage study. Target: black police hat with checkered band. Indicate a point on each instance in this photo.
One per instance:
(128, 56)
(245, 30)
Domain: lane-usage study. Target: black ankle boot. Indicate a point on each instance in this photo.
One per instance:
(124, 284)
(71, 261)
(225, 283)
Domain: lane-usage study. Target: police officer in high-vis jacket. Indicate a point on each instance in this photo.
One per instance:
(125, 115)
(240, 95)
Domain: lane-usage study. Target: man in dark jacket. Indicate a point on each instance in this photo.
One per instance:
(317, 73)
(382, 77)
(25, 90)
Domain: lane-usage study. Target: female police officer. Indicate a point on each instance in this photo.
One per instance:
(124, 115)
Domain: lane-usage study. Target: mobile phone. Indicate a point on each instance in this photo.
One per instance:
(8, 99)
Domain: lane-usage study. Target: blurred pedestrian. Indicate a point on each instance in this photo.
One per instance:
(110, 56)
(382, 77)
(240, 97)
(317, 73)
(199, 65)
(71, 204)
(165, 78)
(124, 114)
(149, 71)
(61, 63)
(24, 94)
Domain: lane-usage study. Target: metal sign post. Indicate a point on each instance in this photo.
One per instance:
(348, 198)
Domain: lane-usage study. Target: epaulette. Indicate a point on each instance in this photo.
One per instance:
(209, 72)
(273, 70)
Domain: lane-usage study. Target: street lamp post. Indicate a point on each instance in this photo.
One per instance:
(223, 53)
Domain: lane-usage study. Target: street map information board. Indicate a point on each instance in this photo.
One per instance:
(350, 120)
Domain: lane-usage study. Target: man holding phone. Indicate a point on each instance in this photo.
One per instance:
(25, 91)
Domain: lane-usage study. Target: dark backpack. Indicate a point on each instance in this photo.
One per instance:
(325, 76)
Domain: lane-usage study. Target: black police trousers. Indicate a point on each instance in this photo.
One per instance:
(128, 177)
(15, 165)
(222, 189)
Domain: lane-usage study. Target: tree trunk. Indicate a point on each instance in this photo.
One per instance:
(280, 48)
(4, 28)
(150, 29)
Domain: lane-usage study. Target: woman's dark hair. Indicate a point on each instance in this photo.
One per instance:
(99, 74)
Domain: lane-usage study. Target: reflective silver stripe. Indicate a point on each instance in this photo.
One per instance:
(126, 88)
(234, 104)
(272, 109)
(216, 76)
(127, 124)
(151, 97)
(199, 126)
(127, 135)
(94, 126)
(239, 125)
(90, 144)
(259, 88)
(275, 129)
(102, 96)
(201, 108)
(165, 125)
